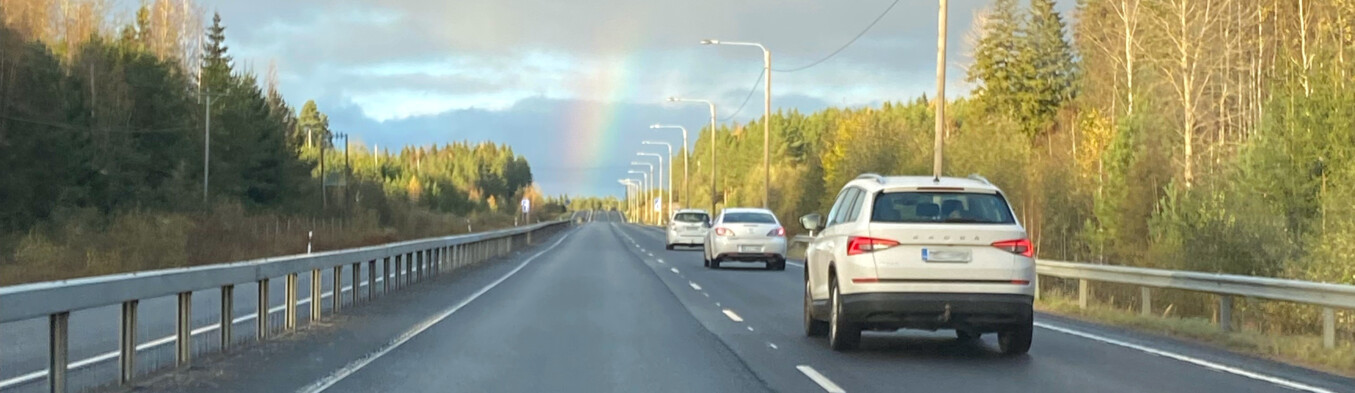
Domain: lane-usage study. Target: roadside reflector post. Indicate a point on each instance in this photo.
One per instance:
(1146, 295)
(1328, 328)
(1082, 293)
(1225, 313)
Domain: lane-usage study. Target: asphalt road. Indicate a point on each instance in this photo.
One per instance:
(605, 308)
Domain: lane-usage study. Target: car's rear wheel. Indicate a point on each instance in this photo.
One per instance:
(669, 247)
(715, 262)
(966, 335)
(813, 327)
(1016, 340)
(780, 264)
(842, 334)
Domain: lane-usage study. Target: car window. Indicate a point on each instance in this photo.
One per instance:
(857, 203)
(941, 207)
(695, 218)
(750, 217)
(848, 197)
(837, 206)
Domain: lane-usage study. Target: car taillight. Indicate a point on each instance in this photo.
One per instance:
(860, 245)
(1017, 246)
(723, 232)
(779, 231)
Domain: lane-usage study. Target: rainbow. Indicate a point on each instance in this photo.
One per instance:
(594, 126)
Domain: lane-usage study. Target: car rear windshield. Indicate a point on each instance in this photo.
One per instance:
(941, 207)
(690, 217)
(754, 218)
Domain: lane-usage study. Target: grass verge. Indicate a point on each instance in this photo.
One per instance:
(1301, 350)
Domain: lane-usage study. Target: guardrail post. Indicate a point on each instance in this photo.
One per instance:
(529, 238)
(337, 286)
(289, 321)
(1146, 295)
(356, 281)
(183, 330)
(316, 299)
(385, 275)
(1225, 313)
(1328, 328)
(371, 279)
(261, 316)
(227, 316)
(58, 351)
(397, 274)
(1036, 282)
(127, 343)
(1083, 290)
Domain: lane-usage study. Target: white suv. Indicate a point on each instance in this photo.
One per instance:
(920, 253)
(687, 228)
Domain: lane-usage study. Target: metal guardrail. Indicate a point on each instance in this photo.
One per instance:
(1226, 286)
(415, 261)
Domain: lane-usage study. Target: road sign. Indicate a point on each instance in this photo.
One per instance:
(658, 205)
(526, 205)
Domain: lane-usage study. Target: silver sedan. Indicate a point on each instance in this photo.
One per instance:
(746, 235)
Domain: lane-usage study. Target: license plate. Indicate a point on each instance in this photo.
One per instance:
(945, 255)
(750, 248)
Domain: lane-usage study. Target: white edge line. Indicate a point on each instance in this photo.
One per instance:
(1199, 362)
(795, 264)
(824, 382)
(773, 346)
(694, 286)
(735, 317)
(340, 374)
(674, 270)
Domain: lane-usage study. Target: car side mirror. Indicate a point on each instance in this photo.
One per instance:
(812, 222)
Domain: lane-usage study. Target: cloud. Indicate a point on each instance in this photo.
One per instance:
(425, 71)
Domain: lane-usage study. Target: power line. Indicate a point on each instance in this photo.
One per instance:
(844, 46)
(758, 82)
(751, 91)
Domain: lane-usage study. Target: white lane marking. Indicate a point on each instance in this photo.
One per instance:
(735, 317)
(674, 270)
(795, 264)
(660, 260)
(707, 294)
(824, 382)
(773, 346)
(694, 286)
(1199, 362)
(166, 340)
(750, 328)
(650, 254)
(717, 304)
(339, 375)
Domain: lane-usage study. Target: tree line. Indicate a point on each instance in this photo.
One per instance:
(109, 119)
(1210, 135)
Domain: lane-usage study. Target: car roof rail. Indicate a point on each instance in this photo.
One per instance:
(980, 178)
(872, 176)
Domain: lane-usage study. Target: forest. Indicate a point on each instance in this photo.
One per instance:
(102, 141)
(1213, 135)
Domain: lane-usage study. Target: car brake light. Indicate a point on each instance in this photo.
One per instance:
(1018, 246)
(779, 231)
(723, 232)
(860, 245)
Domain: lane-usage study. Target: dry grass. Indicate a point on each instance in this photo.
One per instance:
(84, 244)
(1300, 349)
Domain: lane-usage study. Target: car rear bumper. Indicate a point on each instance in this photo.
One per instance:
(981, 312)
(749, 250)
(691, 240)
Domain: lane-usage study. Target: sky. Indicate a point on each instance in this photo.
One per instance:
(573, 85)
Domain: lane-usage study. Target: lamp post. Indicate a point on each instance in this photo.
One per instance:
(686, 191)
(658, 182)
(644, 179)
(670, 173)
(766, 114)
(653, 181)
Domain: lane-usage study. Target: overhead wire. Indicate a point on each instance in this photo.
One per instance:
(758, 82)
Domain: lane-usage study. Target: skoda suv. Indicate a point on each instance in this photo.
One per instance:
(919, 253)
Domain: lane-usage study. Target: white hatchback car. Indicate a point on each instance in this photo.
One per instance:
(687, 228)
(746, 235)
(920, 253)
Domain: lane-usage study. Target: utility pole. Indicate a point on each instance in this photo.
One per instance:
(324, 188)
(207, 144)
(767, 131)
(940, 90)
(346, 168)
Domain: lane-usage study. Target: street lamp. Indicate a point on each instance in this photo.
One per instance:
(658, 182)
(630, 196)
(643, 185)
(649, 179)
(670, 173)
(766, 115)
(686, 191)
